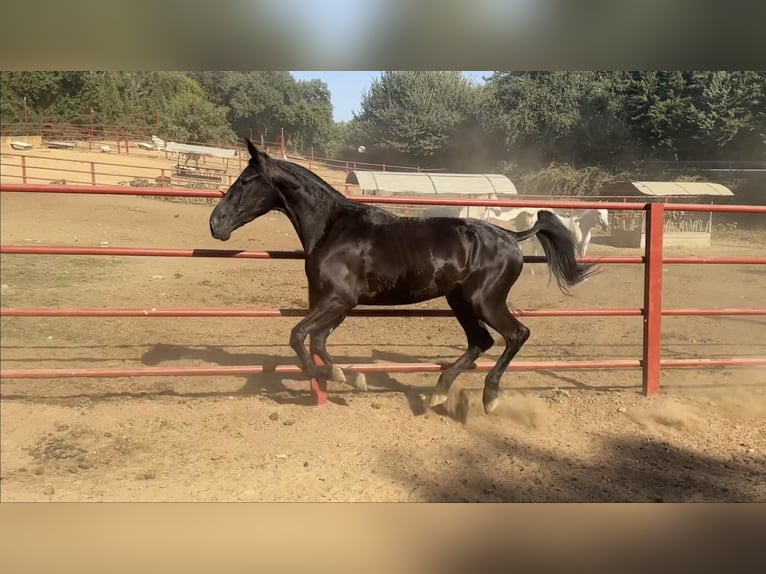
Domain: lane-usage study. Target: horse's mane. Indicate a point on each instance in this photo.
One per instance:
(300, 173)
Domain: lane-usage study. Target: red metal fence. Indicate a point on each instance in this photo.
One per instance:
(28, 167)
(652, 311)
(123, 136)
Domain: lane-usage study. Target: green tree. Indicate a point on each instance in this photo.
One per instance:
(50, 96)
(415, 115)
(734, 116)
(666, 112)
(264, 103)
(190, 117)
(544, 117)
(308, 116)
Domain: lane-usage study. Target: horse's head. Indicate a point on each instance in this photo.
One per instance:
(249, 197)
(603, 219)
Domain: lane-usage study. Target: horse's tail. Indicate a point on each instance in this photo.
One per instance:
(560, 250)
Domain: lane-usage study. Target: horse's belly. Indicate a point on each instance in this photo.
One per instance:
(401, 290)
(394, 297)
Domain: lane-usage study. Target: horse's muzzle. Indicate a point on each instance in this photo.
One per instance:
(218, 233)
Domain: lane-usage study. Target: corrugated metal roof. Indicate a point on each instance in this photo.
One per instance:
(199, 149)
(676, 188)
(389, 182)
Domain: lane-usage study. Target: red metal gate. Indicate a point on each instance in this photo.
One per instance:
(651, 362)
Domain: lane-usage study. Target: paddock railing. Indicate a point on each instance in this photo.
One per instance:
(651, 362)
(33, 168)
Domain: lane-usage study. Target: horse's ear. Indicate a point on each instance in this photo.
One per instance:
(251, 148)
(258, 156)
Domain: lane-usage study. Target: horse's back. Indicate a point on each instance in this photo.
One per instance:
(406, 260)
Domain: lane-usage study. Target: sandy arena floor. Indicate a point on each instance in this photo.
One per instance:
(557, 436)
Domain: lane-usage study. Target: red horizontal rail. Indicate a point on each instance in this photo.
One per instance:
(712, 312)
(296, 370)
(368, 368)
(705, 363)
(158, 170)
(547, 204)
(230, 253)
(233, 253)
(178, 312)
(88, 162)
(715, 260)
(147, 252)
(106, 190)
(634, 206)
(213, 312)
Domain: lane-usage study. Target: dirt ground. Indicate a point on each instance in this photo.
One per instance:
(556, 436)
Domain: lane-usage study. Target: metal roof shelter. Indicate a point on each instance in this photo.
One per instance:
(667, 188)
(199, 150)
(206, 175)
(391, 183)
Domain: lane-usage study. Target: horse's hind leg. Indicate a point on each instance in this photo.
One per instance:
(515, 333)
(479, 340)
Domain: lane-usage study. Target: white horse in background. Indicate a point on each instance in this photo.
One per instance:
(580, 226)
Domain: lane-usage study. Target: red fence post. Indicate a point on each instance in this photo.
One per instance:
(655, 219)
(319, 388)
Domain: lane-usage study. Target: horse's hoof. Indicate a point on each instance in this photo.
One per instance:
(337, 374)
(491, 405)
(357, 380)
(437, 399)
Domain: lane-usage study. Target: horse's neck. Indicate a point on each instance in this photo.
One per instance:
(309, 208)
(499, 213)
(573, 226)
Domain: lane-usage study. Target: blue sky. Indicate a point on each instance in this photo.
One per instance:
(346, 87)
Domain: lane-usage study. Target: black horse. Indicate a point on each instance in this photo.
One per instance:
(359, 254)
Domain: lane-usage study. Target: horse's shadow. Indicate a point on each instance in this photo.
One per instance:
(271, 384)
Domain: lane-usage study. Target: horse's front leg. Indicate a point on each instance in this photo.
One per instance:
(584, 244)
(318, 347)
(327, 314)
(582, 247)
